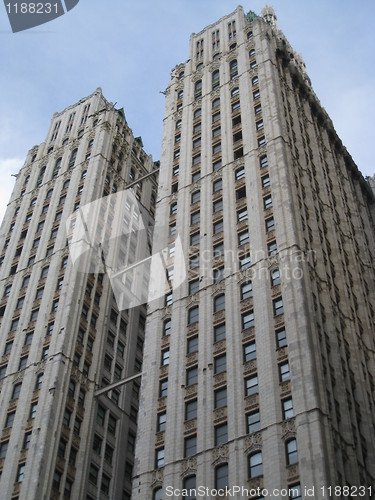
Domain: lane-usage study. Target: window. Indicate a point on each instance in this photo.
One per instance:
(236, 106)
(220, 398)
(195, 218)
(255, 465)
(241, 193)
(162, 421)
(20, 303)
(266, 181)
(249, 352)
(189, 484)
(217, 185)
(167, 327)
(159, 459)
(197, 143)
(284, 372)
(272, 248)
(218, 250)
(194, 239)
(251, 385)
(192, 376)
(163, 388)
(10, 419)
(193, 314)
(221, 476)
(221, 434)
(220, 364)
(245, 261)
(33, 410)
(25, 281)
(267, 202)
(3, 370)
(270, 224)
(165, 357)
(176, 154)
(158, 494)
(217, 165)
(112, 422)
(178, 124)
(97, 444)
(287, 408)
(20, 473)
(218, 227)
(218, 274)
(26, 441)
(291, 452)
(246, 290)
(173, 210)
(3, 449)
(235, 92)
(243, 238)
(8, 348)
(258, 109)
(256, 95)
(73, 157)
(169, 299)
(253, 422)
(233, 66)
(219, 303)
(195, 197)
(216, 103)
(216, 148)
(281, 338)
(192, 344)
(197, 113)
(198, 89)
(191, 408)
(240, 173)
(242, 215)
(190, 446)
(16, 390)
(278, 307)
(193, 287)
(219, 332)
(261, 141)
(295, 492)
(215, 79)
(217, 206)
(216, 117)
(93, 474)
(23, 363)
(196, 175)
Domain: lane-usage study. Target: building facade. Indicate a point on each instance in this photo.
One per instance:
(259, 369)
(63, 335)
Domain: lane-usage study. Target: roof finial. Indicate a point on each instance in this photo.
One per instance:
(269, 15)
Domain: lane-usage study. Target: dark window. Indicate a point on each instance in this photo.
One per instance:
(220, 398)
(220, 364)
(221, 434)
(221, 476)
(192, 376)
(190, 446)
(219, 332)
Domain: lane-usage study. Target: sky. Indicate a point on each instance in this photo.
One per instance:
(128, 48)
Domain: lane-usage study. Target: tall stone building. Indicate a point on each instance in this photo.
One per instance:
(259, 370)
(63, 336)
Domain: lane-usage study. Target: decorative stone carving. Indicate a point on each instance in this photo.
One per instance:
(253, 442)
(292, 472)
(250, 366)
(188, 466)
(191, 390)
(157, 478)
(251, 402)
(220, 454)
(289, 428)
(190, 426)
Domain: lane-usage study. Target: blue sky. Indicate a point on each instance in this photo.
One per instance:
(129, 48)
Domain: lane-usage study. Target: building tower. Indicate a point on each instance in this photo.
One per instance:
(63, 336)
(259, 370)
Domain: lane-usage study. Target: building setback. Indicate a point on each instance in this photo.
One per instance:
(62, 334)
(259, 370)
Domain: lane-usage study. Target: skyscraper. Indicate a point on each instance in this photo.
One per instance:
(65, 336)
(259, 370)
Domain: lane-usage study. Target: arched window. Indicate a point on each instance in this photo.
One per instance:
(291, 452)
(73, 157)
(250, 35)
(198, 89)
(193, 315)
(275, 277)
(158, 494)
(180, 94)
(56, 167)
(178, 123)
(233, 65)
(189, 484)
(197, 113)
(221, 476)
(215, 79)
(255, 464)
(216, 56)
(199, 66)
(181, 75)
(216, 103)
(252, 53)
